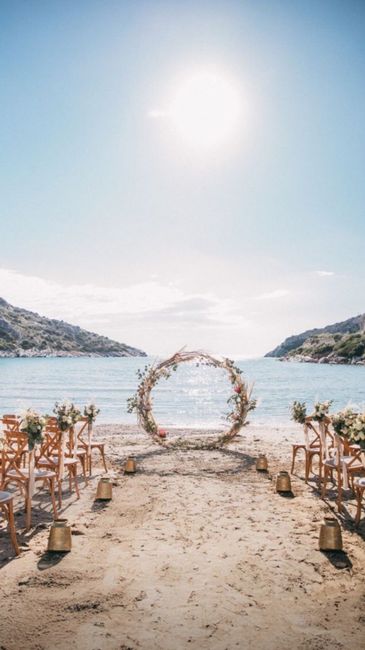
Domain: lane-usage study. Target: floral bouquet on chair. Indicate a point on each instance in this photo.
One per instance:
(299, 412)
(351, 425)
(321, 410)
(91, 411)
(32, 424)
(67, 414)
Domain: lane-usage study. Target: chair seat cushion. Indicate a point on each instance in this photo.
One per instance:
(5, 497)
(55, 461)
(39, 474)
(353, 464)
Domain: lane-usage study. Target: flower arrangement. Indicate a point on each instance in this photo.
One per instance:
(32, 424)
(321, 410)
(240, 402)
(67, 414)
(91, 411)
(351, 425)
(299, 412)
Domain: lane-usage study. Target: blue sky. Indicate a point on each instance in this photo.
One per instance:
(109, 221)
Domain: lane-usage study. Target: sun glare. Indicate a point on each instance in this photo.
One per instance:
(205, 110)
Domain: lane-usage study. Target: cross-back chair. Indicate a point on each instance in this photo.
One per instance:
(52, 455)
(317, 441)
(24, 475)
(6, 505)
(346, 461)
(84, 435)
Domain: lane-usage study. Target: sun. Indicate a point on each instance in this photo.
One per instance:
(205, 110)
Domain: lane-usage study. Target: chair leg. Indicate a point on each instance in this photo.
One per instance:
(59, 492)
(12, 530)
(53, 498)
(320, 470)
(74, 474)
(307, 466)
(103, 458)
(294, 453)
(28, 512)
(324, 483)
(339, 491)
(83, 461)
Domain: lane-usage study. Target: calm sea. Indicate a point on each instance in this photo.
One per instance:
(192, 396)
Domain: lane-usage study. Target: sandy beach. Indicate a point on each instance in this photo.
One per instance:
(196, 550)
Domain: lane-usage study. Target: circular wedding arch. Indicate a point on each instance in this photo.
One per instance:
(240, 401)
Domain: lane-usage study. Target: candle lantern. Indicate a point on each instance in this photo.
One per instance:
(104, 490)
(130, 466)
(59, 540)
(330, 537)
(261, 463)
(283, 483)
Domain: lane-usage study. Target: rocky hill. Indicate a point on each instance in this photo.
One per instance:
(26, 334)
(338, 343)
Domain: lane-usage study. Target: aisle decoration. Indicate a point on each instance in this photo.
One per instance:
(130, 466)
(299, 412)
(90, 412)
(351, 425)
(67, 414)
(283, 483)
(321, 410)
(240, 401)
(32, 424)
(330, 537)
(104, 490)
(60, 537)
(261, 463)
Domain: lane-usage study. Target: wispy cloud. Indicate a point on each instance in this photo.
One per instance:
(273, 295)
(156, 113)
(325, 274)
(112, 308)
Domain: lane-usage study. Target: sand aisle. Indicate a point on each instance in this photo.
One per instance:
(195, 551)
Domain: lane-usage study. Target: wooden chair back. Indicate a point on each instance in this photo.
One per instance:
(82, 432)
(14, 456)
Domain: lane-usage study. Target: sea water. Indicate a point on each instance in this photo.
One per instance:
(192, 396)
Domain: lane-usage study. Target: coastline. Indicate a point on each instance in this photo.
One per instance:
(195, 550)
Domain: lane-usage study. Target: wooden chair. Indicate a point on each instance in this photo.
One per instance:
(311, 447)
(25, 477)
(52, 455)
(317, 442)
(6, 505)
(74, 450)
(345, 459)
(84, 433)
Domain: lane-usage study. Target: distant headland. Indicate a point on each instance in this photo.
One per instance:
(339, 343)
(26, 334)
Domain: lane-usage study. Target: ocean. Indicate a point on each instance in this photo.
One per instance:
(191, 397)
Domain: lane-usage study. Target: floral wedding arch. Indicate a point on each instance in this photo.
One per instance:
(240, 401)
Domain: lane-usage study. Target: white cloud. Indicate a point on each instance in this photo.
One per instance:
(118, 311)
(325, 274)
(156, 113)
(273, 295)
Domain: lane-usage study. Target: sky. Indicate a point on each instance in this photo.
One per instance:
(115, 213)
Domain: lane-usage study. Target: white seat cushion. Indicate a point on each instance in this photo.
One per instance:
(5, 496)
